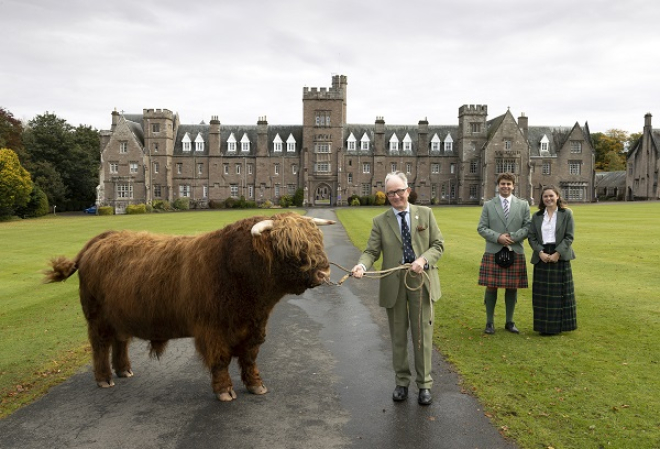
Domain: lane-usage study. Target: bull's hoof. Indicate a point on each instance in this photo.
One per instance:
(257, 389)
(127, 373)
(106, 383)
(227, 396)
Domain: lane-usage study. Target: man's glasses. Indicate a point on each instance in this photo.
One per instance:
(397, 192)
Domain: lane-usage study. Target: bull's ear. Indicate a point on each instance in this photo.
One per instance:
(263, 225)
(320, 221)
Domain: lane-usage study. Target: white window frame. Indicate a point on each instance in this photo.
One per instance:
(184, 191)
(366, 167)
(114, 167)
(133, 167)
(435, 169)
(233, 190)
(123, 147)
(124, 191)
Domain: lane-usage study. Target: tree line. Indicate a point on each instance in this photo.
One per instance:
(46, 163)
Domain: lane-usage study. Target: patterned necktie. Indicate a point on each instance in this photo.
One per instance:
(506, 209)
(408, 253)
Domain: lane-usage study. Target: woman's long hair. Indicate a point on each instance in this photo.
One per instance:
(560, 201)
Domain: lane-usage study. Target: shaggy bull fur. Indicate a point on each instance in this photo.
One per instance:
(219, 288)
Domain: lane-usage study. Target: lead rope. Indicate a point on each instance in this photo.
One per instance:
(384, 273)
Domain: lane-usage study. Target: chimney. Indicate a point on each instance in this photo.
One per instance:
(523, 124)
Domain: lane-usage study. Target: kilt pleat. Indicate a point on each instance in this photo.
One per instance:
(553, 298)
(492, 275)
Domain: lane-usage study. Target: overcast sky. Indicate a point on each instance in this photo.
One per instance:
(557, 61)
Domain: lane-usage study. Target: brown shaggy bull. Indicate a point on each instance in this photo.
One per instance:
(219, 288)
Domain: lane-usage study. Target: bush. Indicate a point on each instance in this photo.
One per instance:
(162, 205)
(182, 203)
(435, 201)
(412, 198)
(216, 204)
(367, 200)
(266, 204)
(355, 202)
(229, 203)
(286, 201)
(380, 198)
(299, 197)
(136, 209)
(352, 198)
(106, 210)
(37, 205)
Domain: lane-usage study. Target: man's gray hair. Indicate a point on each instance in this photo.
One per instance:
(397, 174)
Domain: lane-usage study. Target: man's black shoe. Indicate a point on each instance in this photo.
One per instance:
(400, 393)
(425, 397)
(511, 327)
(490, 329)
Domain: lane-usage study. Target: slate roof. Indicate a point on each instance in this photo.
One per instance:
(192, 131)
(611, 179)
(557, 137)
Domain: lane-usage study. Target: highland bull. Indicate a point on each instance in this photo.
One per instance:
(218, 288)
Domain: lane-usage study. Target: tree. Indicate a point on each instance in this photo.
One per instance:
(11, 131)
(609, 148)
(15, 183)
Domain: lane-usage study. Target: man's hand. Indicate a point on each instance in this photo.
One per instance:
(418, 265)
(357, 271)
(505, 239)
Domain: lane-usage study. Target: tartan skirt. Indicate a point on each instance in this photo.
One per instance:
(492, 275)
(553, 298)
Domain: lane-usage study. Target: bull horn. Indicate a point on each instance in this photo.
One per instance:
(263, 225)
(320, 221)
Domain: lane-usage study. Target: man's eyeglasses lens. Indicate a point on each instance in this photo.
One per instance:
(398, 192)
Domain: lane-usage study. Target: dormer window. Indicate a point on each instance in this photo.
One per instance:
(394, 144)
(545, 146)
(199, 143)
(245, 144)
(351, 143)
(277, 144)
(435, 144)
(185, 142)
(364, 142)
(449, 143)
(290, 144)
(407, 144)
(231, 143)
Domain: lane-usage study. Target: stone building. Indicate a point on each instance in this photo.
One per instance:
(152, 156)
(643, 165)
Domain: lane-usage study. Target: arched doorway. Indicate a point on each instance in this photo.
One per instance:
(323, 195)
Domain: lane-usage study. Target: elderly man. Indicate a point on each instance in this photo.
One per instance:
(407, 234)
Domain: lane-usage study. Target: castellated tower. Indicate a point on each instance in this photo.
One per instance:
(160, 126)
(324, 117)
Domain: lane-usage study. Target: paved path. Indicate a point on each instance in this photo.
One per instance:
(326, 362)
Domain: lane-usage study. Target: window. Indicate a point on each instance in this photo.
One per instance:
(205, 191)
(434, 191)
(545, 168)
(294, 169)
(225, 169)
(474, 167)
(576, 193)
(290, 144)
(277, 190)
(505, 166)
(277, 147)
(323, 167)
(133, 167)
(186, 145)
(473, 146)
(199, 144)
(435, 169)
(231, 147)
(475, 127)
(576, 146)
(123, 147)
(155, 147)
(407, 147)
(249, 167)
(574, 167)
(408, 168)
(507, 144)
(157, 191)
(179, 168)
(366, 189)
(200, 168)
(435, 147)
(114, 167)
(544, 146)
(250, 191)
(350, 178)
(351, 145)
(238, 169)
(245, 147)
(323, 118)
(366, 167)
(393, 167)
(448, 147)
(364, 145)
(452, 169)
(276, 167)
(155, 127)
(291, 189)
(184, 191)
(156, 167)
(322, 147)
(473, 192)
(233, 190)
(124, 191)
(394, 145)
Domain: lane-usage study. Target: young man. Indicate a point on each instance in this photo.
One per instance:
(504, 223)
(409, 234)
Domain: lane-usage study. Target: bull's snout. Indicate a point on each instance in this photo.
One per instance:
(322, 276)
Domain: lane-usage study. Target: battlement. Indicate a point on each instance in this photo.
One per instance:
(158, 113)
(323, 93)
(479, 109)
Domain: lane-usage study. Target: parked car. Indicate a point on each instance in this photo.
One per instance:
(91, 210)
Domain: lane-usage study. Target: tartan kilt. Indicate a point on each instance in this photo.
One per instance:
(492, 275)
(553, 297)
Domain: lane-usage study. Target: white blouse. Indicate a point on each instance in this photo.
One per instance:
(548, 227)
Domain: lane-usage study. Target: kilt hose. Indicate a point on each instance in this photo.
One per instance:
(492, 275)
(553, 297)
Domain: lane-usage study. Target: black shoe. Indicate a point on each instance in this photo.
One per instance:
(490, 329)
(424, 397)
(511, 327)
(400, 393)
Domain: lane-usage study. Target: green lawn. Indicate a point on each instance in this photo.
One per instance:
(43, 334)
(592, 388)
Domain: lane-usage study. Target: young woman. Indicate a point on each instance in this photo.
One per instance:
(551, 237)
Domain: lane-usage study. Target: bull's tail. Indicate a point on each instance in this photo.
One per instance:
(61, 269)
